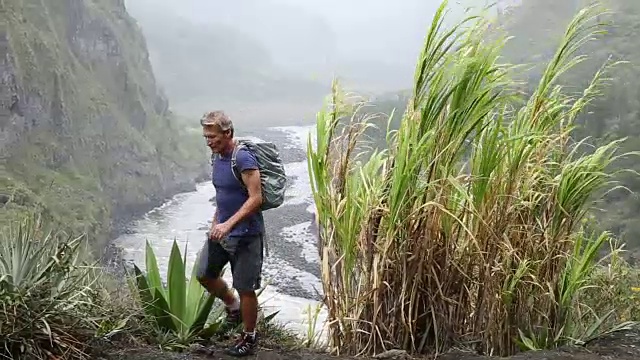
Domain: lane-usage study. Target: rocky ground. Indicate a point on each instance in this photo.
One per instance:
(264, 354)
(622, 345)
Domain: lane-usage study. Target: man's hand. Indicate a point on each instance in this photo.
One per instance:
(214, 222)
(220, 231)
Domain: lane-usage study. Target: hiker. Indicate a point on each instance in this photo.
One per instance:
(237, 231)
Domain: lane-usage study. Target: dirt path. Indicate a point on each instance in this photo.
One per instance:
(263, 354)
(622, 345)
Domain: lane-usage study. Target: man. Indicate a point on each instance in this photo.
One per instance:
(236, 233)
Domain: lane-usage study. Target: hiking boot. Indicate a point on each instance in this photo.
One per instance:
(233, 320)
(245, 345)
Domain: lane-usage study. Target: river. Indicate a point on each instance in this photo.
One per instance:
(291, 267)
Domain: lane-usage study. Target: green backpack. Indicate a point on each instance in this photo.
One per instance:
(272, 174)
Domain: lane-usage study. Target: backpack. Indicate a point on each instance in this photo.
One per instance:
(272, 175)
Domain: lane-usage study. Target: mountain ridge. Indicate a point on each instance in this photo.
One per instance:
(87, 138)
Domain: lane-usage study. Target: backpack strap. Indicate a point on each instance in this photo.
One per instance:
(236, 174)
(234, 163)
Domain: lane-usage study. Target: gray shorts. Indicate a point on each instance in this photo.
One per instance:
(245, 254)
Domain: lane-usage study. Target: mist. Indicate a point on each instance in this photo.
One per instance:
(273, 60)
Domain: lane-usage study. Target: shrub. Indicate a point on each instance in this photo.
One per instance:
(614, 295)
(47, 293)
(468, 228)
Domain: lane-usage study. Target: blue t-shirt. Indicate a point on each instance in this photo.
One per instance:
(231, 194)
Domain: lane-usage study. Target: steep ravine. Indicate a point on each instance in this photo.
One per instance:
(85, 135)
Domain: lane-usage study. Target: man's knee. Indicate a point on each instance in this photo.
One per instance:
(209, 274)
(206, 274)
(208, 279)
(246, 293)
(211, 283)
(203, 279)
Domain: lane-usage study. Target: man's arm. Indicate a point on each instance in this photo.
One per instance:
(251, 179)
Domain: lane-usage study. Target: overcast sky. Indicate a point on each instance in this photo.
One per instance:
(374, 43)
(389, 31)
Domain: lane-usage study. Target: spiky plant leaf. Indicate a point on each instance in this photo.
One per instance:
(183, 306)
(177, 288)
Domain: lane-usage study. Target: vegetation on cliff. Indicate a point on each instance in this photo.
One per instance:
(85, 136)
(537, 26)
(471, 227)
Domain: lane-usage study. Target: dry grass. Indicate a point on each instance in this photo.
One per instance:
(469, 228)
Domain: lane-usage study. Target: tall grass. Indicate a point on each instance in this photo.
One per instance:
(469, 227)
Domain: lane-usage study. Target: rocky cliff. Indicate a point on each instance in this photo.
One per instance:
(85, 135)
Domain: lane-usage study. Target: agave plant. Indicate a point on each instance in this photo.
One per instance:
(182, 307)
(47, 293)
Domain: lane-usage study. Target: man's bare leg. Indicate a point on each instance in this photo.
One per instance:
(219, 289)
(249, 306)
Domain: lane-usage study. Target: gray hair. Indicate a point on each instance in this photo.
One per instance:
(218, 119)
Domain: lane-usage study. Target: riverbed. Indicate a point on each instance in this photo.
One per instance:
(291, 267)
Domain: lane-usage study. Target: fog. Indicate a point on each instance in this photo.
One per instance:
(273, 60)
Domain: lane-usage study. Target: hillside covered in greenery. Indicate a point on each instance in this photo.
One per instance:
(86, 138)
(537, 27)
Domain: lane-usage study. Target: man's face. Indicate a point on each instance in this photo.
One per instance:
(217, 140)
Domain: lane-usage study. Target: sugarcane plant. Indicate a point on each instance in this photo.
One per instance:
(470, 226)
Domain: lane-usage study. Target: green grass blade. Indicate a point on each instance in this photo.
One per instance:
(153, 273)
(177, 286)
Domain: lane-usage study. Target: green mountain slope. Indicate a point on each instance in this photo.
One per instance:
(85, 136)
(617, 112)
